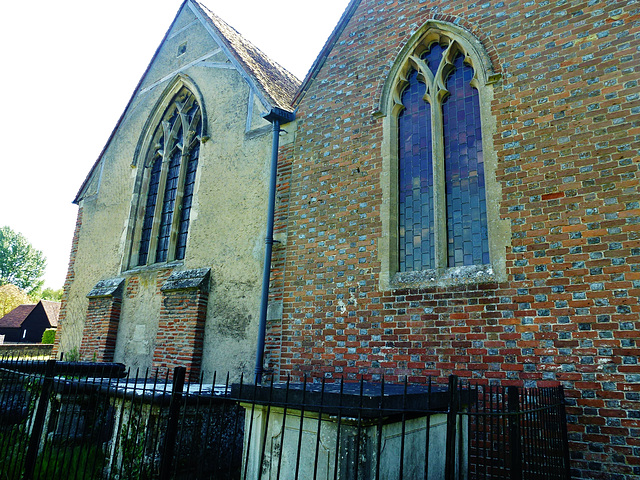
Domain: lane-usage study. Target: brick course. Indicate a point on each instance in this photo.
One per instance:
(71, 275)
(101, 329)
(568, 140)
(179, 341)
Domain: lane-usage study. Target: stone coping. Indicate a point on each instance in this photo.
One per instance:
(349, 399)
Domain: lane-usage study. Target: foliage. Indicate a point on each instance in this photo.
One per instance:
(73, 355)
(13, 441)
(20, 263)
(55, 460)
(132, 463)
(47, 294)
(10, 297)
(51, 294)
(77, 461)
(49, 335)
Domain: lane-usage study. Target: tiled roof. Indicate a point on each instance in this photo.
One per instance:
(52, 309)
(278, 84)
(15, 317)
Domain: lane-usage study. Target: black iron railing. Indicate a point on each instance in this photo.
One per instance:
(516, 433)
(97, 421)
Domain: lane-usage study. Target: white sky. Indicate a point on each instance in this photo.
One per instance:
(68, 69)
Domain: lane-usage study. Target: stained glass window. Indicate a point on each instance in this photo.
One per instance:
(467, 239)
(187, 199)
(150, 207)
(168, 206)
(173, 172)
(459, 218)
(415, 189)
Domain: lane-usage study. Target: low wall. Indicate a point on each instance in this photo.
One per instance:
(25, 350)
(364, 450)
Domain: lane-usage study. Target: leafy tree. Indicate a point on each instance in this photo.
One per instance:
(10, 297)
(20, 263)
(51, 294)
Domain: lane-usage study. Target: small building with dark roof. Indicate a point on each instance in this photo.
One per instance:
(27, 323)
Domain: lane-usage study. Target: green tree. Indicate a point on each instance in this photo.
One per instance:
(51, 294)
(49, 335)
(20, 263)
(10, 297)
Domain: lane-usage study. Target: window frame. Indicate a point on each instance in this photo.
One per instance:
(391, 277)
(146, 154)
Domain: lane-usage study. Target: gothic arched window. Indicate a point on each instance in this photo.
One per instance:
(441, 206)
(172, 162)
(440, 211)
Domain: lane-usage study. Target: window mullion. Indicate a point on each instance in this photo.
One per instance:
(157, 214)
(177, 209)
(439, 184)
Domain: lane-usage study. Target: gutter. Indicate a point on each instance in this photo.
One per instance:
(276, 116)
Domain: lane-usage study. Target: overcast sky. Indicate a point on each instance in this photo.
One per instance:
(70, 66)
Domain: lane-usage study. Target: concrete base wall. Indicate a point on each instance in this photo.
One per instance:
(26, 350)
(358, 458)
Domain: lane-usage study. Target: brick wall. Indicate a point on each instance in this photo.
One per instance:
(25, 350)
(179, 341)
(100, 329)
(181, 332)
(276, 281)
(55, 352)
(568, 138)
(101, 323)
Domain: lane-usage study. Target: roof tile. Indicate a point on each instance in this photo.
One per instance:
(15, 317)
(277, 83)
(52, 309)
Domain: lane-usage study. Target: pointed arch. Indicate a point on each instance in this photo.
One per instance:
(179, 82)
(166, 159)
(431, 32)
(440, 212)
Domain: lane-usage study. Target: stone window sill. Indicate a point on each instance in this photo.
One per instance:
(466, 275)
(153, 267)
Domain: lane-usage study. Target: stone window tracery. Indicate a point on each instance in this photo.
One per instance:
(440, 210)
(172, 162)
(441, 205)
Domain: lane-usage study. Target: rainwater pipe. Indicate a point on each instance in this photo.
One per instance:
(276, 116)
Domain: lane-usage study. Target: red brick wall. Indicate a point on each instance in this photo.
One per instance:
(276, 283)
(179, 341)
(100, 329)
(568, 118)
(71, 275)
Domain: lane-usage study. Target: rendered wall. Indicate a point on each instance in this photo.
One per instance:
(227, 226)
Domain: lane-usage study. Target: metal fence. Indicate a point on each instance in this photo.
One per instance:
(96, 421)
(516, 433)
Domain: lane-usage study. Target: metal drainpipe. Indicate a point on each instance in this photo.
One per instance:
(275, 116)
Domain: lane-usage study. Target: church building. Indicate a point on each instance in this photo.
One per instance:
(457, 192)
(166, 262)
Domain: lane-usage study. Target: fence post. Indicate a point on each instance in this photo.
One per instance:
(452, 414)
(565, 435)
(515, 448)
(38, 421)
(172, 423)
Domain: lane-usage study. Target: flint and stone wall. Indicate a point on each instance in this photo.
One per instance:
(567, 138)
